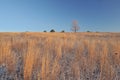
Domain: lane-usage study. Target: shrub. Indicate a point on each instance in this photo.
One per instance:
(44, 31)
(52, 30)
(62, 31)
(88, 31)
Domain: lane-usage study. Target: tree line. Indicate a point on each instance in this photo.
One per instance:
(75, 27)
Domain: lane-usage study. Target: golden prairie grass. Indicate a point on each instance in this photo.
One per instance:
(6, 57)
(61, 56)
(29, 60)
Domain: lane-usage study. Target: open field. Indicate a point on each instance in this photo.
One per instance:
(59, 56)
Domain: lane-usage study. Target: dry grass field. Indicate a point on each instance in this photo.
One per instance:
(59, 56)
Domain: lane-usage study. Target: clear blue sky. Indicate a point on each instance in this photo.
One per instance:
(40, 15)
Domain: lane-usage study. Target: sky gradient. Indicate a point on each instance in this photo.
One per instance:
(40, 15)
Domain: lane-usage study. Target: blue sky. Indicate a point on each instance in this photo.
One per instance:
(40, 15)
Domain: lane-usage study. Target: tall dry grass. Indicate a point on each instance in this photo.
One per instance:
(60, 56)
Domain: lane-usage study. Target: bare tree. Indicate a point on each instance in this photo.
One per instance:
(75, 26)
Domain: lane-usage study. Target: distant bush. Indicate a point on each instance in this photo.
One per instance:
(52, 30)
(88, 31)
(97, 32)
(44, 31)
(62, 31)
